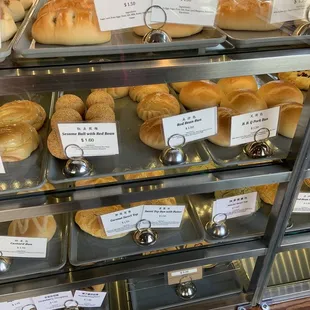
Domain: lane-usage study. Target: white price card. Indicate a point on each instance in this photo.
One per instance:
(89, 299)
(121, 221)
(245, 126)
(95, 139)
(235, 206)
(2, 170)
(194, 12)
(5, 306)
(302, 204)
(21, 304)
(121, 13)
(193, 125)
(23, 247)
(52, 301)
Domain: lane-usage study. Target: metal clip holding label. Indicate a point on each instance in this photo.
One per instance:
(174, 154)
(217, 228)
(5, 263)
(186, 289)
(71, 305)
(29, 307)
(145, 236)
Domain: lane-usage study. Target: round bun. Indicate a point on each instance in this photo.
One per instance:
(307, 182)
(100, 96)
(15, 8)
(163, 201)
(36, 227)
(70, 102)
(179, 85)
(137, 93)
(22, 111)
(174, 30)
(144, 175)
(26, 3)
(17, 142)
(65, 116)
(244, 101)
(267, 192)
(101, 113)
(151, 133)
(231, 84)
(115, 92)
(277, 92)
(199, 95)
(157, 104)
(54, 145)
(222, 138)
(300, 79)
(7, 25)
(95, 181)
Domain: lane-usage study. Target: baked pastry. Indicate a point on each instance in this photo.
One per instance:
(289, 118)
(115, 92)
(231, 84)
(174, 30)
(158, 104)
(177, 86)
(151, 133)
(66, 115)
(163, 201)
(144, 175)
(307, 182)
(101, 113)
(277, 92)
(253, 15)
(222, 138)
(18, 141)
(69, 101)
(7, 25)
(94, 288)
(22, 111)
(14, 8)
(95, 181)
(137, 93)
(200, 94)
(26, 3)
(54, 145)
(100, 96)
(267, 192)
(300, 79)
(90, 222)
(36, 227)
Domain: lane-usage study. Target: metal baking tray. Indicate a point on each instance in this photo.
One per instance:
(56, 253)
(134, 156)
(122, 42)
(85, 249)
(28, 174)
(219, 281)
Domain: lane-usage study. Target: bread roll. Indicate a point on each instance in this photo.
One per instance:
(54, 145)
(115, 92)
(163, 201)
(15, 8)
(100, 96)
(300, 79)
(64, 116)
(277, 92)
(144, 175)
(231, 84)
(17, 142)
(100, 113)
(26, 3)
(36, 227)
(250, 15)
(174, 30)
(268, 192)
(7, 25)
(179, 85)
(199, 95)
(22, 111)
(137, 93)
(307, 182)
(90, 222)
(95, 181)
(94, 288)
(69, 101)
(158, 104)
(222, 138)
(151, 133)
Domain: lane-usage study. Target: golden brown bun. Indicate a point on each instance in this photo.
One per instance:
(17, 141)
(157, 104)
(100, 96)
(144, 175)
(250, 15)
(174, 30)
(54, 145)
(300, 79)
(277, 92)
(94, 288)
(307, 182)
(164, 201)
(179, 85)
(101, 113)
(95, 181)
(199, 95)
(65, 116)
(69, 101)
(151, 133)
(7, 25)
(36, 227)
(90, 222)
(289, 118)
(244, 101)
(231, 84)
(22, 111)
(267, 192)
(115, 92)
(222, 138)
(137, 93)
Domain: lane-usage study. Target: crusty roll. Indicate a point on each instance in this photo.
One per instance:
(200, 94)
(17, 141)
(174, 30)
(144, 175)
(137, 93)
(22, 111)
(277, 92)
(115, 92)
(100, 96)
(7, 25)
(267, 192)
(300, 79)
(158, 104)
(163, 201)
(15, 8)
(231, 84)
(177, 86)
(100, 113)
(250, 15)
(64, 116)
(95, 181)
(36, 227)
(54, 145)
(72, 102)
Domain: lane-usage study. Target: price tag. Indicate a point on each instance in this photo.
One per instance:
(20, 304)
(286, 10)
(245, 126)
(89, 299)
(235, 206)
(302, 204)
(174, 277)
(23, 247)
(95, 139)
(2, 170)
(5, 306)
(52, 301)
(122, 14)
(193, 125)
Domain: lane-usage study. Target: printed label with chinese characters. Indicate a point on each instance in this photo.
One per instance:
(195, 273)
(302, 204)
(52, 301)
(89, 299)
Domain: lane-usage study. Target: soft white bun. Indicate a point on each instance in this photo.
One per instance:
(7, 25)
(137, 93)
(231, 84)
(115, 92)
(15, 8)
(26, 3)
